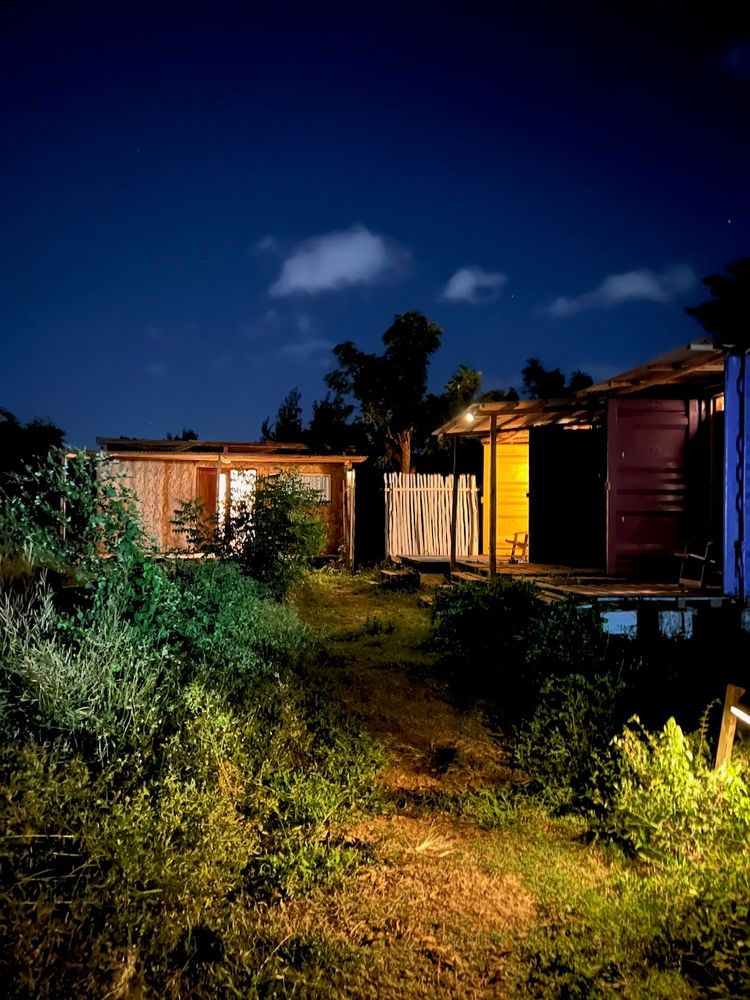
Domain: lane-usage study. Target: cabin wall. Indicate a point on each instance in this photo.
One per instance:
(162, 485)
(664, 482)
(512, 454)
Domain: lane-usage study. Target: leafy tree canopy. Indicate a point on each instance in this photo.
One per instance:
(288, 423)
(542, 383)
(378, 404)
(188, 434)
(727, 315)
(391, 387)
(25, 444)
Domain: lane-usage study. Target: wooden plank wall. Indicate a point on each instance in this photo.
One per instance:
(512, 489)
(418, 515)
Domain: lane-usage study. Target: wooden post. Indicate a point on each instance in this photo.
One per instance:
(728, 725)
(493, 496)
(454, 506)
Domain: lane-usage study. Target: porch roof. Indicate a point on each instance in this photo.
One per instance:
(202, 450)
(695, 368)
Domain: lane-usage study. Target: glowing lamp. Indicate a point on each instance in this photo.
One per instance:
(742, 712)
(469, 417)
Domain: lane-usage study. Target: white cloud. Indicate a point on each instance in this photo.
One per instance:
(338, 260)
(641, 285)
(474, 285)
(308, 349)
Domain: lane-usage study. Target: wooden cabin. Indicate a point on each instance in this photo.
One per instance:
(163, 474)
(620, 476)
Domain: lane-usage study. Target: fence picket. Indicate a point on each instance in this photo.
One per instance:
(418, 515)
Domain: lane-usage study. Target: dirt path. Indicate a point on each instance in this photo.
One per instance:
(437, 915)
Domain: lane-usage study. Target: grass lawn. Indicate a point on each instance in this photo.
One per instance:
(473, 891)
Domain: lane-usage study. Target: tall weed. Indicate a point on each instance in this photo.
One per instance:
(106, 692)
(565, 746)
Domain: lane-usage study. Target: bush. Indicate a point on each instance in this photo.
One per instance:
(565, 747)
(105, 692)
(501, 641)
(691, 824)
(669, 804)
(173, 763)
(67, 511)
(272, 536)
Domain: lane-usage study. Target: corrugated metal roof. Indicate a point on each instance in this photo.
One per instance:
(696, 368)
(698, 364)
(125, 445)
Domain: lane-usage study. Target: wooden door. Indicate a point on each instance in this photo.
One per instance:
(206, 489)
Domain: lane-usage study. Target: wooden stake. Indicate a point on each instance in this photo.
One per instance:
(493, 496)
(728, 725)
(454, 506)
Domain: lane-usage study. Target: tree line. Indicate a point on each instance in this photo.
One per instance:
(379, 405)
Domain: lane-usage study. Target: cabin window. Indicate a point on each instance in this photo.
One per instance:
(320, 483)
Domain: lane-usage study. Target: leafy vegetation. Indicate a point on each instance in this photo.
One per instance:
(191, 808)
(272, 536)
(172, 763)
(682, 916)
(67, 511)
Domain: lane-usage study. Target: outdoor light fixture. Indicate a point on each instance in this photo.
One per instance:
(734, 709)
(469, 417)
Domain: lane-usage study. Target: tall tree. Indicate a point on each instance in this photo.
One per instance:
(25, 444)
(188, 434)
(288, 423)
(330, 428)
(390, 388)
(727, 315)
(550, 383)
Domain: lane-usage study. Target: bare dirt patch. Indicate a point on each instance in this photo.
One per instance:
(431, 744)
(430, 918)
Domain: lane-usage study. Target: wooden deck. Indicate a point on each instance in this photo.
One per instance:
(592, 583)
(586, 583)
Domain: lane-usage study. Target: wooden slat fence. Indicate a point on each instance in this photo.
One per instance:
(418, 515)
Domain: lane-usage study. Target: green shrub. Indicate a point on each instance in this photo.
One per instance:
(166, 869)
(692, 825)
(67, 511)
(501, 641)
(272, 537)
(565, 746)
(227, 621)
(106, 692)
(670, 804)
(172, 762)
(475, 622)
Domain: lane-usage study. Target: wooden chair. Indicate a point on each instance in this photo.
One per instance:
(702, 564)
(519, 547)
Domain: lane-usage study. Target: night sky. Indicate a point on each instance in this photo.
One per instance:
(199, 201)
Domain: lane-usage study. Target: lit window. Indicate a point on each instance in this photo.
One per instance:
(320, 483)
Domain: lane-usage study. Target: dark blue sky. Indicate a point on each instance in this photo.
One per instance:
(199, 201)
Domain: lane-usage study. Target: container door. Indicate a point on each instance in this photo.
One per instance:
(567, 505)
(647, 485)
